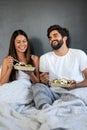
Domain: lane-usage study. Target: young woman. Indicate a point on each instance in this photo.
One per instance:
(16, 85)
(19, 49)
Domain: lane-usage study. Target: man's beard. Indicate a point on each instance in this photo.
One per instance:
(58, 46)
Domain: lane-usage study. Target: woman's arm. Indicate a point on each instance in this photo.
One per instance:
(7, 66)
(34, 76)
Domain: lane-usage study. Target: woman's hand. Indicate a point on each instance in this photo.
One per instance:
(9, 62)
(44, 77)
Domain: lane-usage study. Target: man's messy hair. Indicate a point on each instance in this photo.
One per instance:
(62, 31)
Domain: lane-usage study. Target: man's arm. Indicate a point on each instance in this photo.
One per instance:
(80, 84)
(84, 82)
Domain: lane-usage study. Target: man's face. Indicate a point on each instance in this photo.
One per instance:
(56, 40)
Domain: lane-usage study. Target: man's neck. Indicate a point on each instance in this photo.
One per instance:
(61, 51)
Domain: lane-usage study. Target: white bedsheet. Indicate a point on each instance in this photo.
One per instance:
(68, 112)
(17, 92)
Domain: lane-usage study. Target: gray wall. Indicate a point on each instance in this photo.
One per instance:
(35, 16)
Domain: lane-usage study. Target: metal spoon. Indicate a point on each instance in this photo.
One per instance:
(20, 62)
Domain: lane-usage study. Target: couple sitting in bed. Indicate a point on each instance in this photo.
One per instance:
(62, 62)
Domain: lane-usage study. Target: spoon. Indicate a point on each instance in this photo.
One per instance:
(20, 62)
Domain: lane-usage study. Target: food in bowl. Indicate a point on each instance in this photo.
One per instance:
(25, 67)
(61, 82)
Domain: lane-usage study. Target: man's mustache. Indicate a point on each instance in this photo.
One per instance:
(54, 41)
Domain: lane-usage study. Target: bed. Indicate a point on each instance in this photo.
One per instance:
(17, 111)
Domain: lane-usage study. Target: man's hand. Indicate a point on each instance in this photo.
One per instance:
(72, 86)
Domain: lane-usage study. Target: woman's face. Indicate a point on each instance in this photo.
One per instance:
(21, 44)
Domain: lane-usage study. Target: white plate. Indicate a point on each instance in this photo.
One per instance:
(59, 90)
(59, 85)
(64, 83)
(24, 68)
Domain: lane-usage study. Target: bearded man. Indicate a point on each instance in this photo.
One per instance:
(61, 62)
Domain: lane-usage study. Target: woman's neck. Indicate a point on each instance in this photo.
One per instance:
(21, 57)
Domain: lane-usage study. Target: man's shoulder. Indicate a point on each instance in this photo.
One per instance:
(76, 50)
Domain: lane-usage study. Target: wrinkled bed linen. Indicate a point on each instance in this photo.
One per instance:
(17, 92)
(69, 112)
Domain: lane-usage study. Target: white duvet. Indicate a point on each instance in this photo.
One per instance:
(16, 92)
(69, 112)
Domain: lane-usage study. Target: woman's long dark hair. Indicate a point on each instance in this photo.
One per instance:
(12, 51)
